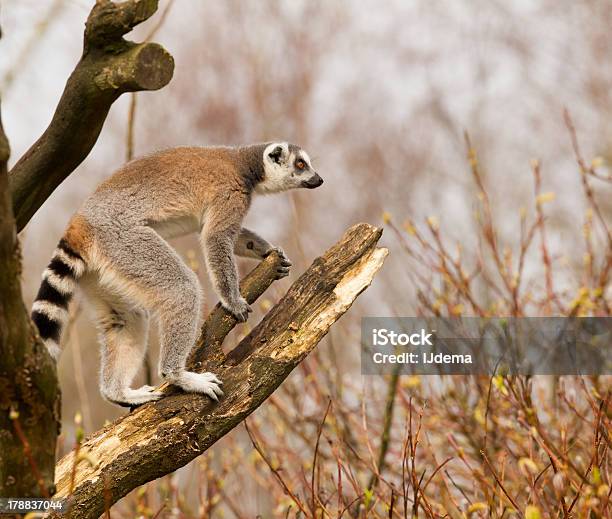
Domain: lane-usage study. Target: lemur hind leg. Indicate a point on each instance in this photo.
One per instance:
(124, 344)
(146, 267)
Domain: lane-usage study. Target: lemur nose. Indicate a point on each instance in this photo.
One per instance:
(313, 182)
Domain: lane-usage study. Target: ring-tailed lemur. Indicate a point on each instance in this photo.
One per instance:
(115, 248)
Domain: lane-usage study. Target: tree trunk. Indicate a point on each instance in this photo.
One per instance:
(29, 395)
(161, 437)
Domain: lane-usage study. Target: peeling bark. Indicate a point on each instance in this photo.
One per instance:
(109, 66)
(161, 437)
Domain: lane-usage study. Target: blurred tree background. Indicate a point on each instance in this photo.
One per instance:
(381, 96)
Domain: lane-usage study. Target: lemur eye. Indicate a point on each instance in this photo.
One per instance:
(300, 164)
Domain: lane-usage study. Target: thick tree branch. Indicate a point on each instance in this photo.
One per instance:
(159, 438)
(29, 395)
(109, 66)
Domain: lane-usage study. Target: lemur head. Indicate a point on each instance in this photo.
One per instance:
(287, 166)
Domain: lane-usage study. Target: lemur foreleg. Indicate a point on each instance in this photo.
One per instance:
(219, 254)
(250, 245)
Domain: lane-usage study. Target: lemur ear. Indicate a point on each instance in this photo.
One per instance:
(276, 154)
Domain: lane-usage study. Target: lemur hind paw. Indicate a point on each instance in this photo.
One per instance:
(135, 397)
(205, 383)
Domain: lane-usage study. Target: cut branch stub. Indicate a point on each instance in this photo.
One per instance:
(161, 437)
(109, 66)
(109, 21)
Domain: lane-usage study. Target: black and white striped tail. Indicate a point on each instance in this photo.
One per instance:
(59, 281)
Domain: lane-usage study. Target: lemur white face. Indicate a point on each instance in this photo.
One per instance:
(287, 166)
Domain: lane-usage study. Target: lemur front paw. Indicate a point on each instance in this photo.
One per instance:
(205, 383)
(239, 309)
(283, 269)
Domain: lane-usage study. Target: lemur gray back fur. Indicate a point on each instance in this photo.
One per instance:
(115, 248)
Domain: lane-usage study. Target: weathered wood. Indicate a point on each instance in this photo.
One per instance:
(161, 437)
(109, 66)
